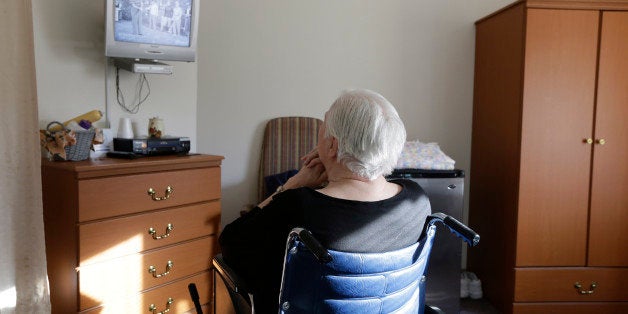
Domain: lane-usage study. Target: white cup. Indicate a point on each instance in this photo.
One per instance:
(125, 129)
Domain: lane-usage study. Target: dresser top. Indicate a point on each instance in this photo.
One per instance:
(105, 166)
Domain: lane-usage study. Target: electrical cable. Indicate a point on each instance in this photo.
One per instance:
(142, 80)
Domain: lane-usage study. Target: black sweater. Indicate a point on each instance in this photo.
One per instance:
(254, 244)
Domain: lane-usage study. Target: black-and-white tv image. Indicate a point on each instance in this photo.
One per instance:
(158, 22)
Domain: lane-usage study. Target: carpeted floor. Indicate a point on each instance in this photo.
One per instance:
(481, 306)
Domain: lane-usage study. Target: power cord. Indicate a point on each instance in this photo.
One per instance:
(141, 81)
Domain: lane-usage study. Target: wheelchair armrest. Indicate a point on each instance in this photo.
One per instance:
(456, 227)
(231, 279)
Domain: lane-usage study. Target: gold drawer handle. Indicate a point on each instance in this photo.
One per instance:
(153, 270)
(153, 232)
(153, 309)
(152, 194)
(578, 286)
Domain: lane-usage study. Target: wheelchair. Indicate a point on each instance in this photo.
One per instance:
(320, 280)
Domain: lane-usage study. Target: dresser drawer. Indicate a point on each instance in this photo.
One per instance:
(113, 238)
(571, 308)
(177, 291)
(130, 274)
(558, 284)
(120, 195)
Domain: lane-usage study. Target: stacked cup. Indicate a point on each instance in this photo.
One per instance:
(125, 129)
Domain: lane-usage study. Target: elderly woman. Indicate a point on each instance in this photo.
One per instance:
(357, 210)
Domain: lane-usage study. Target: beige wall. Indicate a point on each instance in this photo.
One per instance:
(263, 59)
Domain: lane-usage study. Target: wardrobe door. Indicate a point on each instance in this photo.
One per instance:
(557, 115)
(609, 191)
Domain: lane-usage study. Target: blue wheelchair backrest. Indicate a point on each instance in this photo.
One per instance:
(316, 280)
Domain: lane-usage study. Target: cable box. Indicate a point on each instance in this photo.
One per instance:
(142, 66)
(149, 146)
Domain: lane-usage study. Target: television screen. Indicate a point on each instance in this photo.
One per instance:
(152, 29)
(155, 22)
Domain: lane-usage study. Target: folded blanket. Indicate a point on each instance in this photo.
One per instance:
(417, 155)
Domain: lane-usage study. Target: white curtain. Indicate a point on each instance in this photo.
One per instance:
(23, 279)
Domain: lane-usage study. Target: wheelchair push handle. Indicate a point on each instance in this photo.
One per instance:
(456, 227)
(321, 253)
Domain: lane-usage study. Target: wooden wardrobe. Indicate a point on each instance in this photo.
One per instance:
(549, 165)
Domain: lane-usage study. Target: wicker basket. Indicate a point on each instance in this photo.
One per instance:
(80, 150)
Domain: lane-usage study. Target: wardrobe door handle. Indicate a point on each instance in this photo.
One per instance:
(600, 141)
(588, 140)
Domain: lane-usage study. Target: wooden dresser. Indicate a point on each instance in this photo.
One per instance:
(549, 164)
(128, 236)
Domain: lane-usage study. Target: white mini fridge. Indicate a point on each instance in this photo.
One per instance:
(445, 189)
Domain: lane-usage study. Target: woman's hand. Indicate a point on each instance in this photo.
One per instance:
(311, 159)
(312, 175)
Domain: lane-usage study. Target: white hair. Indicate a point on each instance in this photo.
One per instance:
(369, 131)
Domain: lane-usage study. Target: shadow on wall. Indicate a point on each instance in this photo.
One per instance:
(247, 195)
(71, 30)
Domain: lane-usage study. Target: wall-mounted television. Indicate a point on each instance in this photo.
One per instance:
(164, 30)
